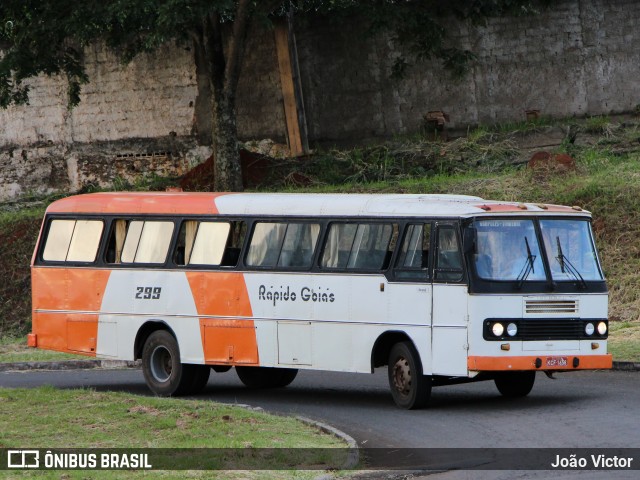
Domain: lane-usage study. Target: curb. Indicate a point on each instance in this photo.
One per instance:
(353, 458)
(626, 366)
(354, 452)
(89, 364)
(68, 365)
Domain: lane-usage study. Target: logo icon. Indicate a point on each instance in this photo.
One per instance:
(23, 459)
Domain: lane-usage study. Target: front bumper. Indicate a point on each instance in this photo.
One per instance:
(540, 362)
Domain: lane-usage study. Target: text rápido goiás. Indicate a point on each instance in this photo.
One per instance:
(287, 294)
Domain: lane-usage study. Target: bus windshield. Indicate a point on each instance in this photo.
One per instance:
(508, 250)
(570, 249)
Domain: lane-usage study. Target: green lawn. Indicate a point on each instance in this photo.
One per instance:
(46, 417)
(14, 349)
(624, 341)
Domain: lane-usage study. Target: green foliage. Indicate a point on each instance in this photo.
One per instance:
(18, 235)
(48, 36)
(481, 151)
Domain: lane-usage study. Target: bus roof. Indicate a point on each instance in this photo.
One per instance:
(298, 204)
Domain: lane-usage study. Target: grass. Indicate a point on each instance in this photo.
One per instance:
(14, 349)
(624, 341)
(89, 419)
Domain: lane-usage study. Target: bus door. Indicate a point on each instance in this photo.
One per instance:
(449, 343)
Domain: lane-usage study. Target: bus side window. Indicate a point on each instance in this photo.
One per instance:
(235, 241)
(138, 241)
(265, 245)
(413, 260)
(299, 245)
(282, 245)
(73, 240)
(366, 246)
(201, 243)
(448, 259)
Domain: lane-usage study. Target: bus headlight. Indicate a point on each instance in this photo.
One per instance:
(602, 328)
(512, 329)
(497, 329)
(589, 329)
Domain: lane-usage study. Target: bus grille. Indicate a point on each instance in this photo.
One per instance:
(551, 306)
(557, 329)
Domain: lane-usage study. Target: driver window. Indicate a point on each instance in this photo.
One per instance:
(413, 260)
(448, 266)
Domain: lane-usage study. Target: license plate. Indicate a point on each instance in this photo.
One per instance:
(557, 361)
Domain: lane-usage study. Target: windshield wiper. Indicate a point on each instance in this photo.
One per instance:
(528, 268)
(567, 266)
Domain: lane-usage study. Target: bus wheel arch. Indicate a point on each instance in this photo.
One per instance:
(143, 334)
(383, 345)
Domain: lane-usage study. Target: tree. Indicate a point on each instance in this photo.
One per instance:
(48, 37)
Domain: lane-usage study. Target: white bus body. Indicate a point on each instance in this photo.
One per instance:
(440, 288)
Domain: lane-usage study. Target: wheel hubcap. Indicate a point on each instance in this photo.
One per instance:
(161, 364)
(402, 376)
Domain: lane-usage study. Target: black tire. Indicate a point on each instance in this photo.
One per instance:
(287, 375)
(221, 368)
(163, 372)
(515, 384)
(266, 377)
(409, 387)
(200, 377)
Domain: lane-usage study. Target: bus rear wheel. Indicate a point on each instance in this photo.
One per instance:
(409, 387)
(515, 384)
(163, 372)
(200, 377)
(266, 377)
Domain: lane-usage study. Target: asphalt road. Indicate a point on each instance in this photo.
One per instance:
(578, 409)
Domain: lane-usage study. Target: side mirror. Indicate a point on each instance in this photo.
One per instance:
(470, 240)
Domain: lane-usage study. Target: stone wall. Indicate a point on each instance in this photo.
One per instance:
(578, 57)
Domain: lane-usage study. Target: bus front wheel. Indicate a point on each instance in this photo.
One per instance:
(409, 387)
(164, 373)
(266, 377)
(515, 384)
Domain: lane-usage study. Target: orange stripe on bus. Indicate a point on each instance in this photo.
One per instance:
(225, 341)
(137, 203)
(67, 289)
(586, 362)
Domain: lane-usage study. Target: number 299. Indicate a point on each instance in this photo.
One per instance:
(148, 293)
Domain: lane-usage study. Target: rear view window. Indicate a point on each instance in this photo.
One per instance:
(73, 241)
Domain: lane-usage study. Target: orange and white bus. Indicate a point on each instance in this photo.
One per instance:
(441, 289)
